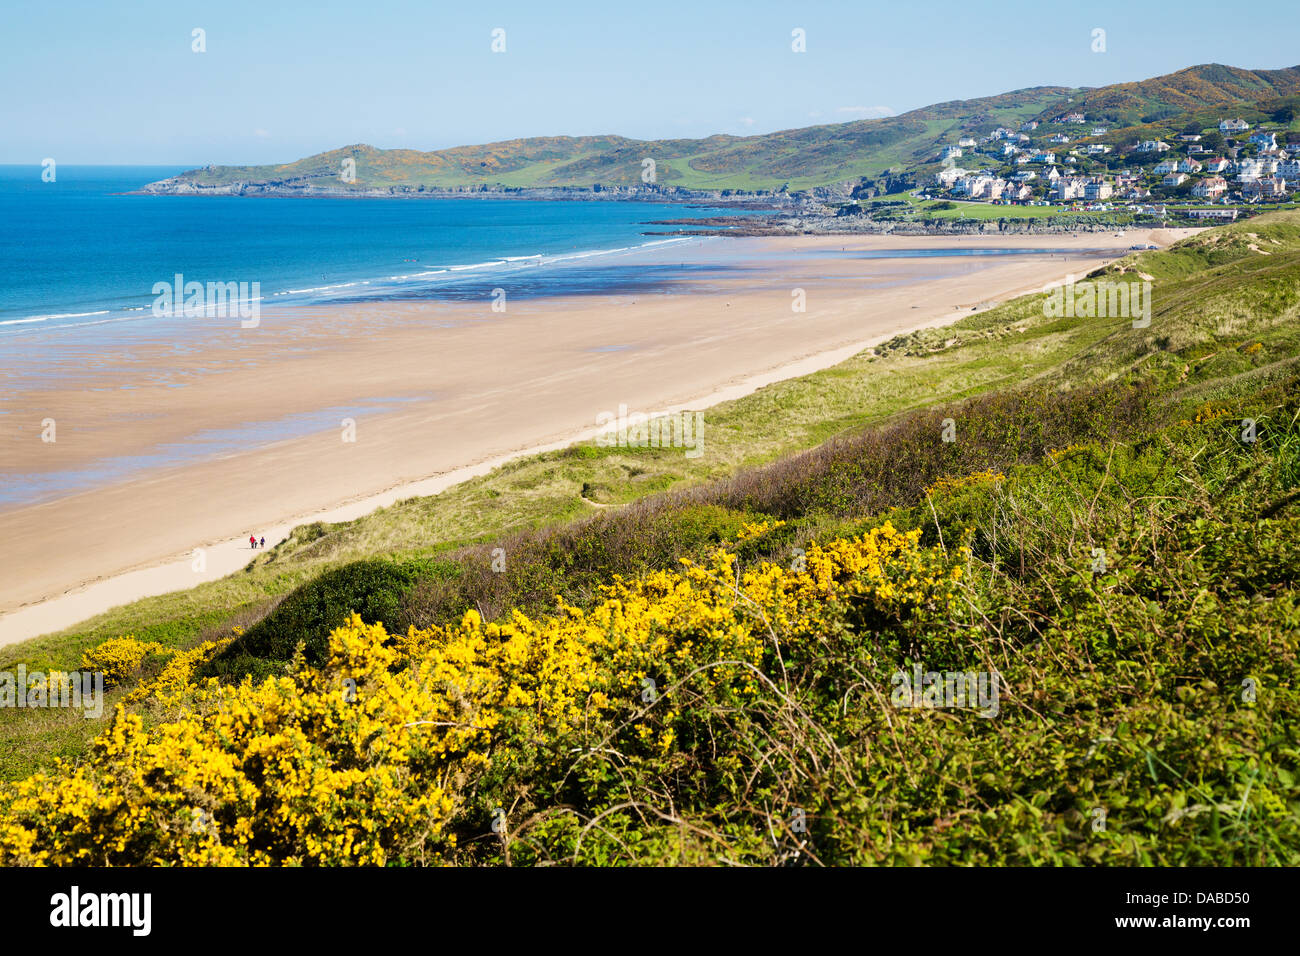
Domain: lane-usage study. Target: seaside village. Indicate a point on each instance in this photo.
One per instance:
(1202, 175)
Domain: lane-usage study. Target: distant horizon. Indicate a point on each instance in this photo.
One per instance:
(128, 85)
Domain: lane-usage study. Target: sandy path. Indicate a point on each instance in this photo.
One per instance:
(439, 393)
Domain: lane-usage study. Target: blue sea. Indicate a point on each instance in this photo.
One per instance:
(80, 252)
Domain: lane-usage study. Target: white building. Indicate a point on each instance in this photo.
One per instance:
(1067, 188)
(946, 177)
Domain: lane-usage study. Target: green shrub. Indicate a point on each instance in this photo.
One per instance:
(373, 589)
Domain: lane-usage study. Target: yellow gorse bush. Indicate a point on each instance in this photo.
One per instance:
(979, 478)
(756, 529)
(381, 755)
(121, 658)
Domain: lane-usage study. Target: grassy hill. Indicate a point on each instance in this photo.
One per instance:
(798, 158)
(1099, 535)
(1211, 86)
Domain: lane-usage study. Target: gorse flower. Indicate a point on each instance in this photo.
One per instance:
(392, 746)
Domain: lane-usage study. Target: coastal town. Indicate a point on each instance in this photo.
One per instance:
(1214, 174)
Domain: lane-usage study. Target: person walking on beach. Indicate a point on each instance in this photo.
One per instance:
(262, 542)
(252, 542)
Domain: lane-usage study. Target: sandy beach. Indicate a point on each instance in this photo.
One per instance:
(437, 392)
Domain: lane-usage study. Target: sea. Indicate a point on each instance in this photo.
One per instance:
(80, 254)
(81, 251)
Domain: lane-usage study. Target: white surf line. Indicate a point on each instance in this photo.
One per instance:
(222, 559)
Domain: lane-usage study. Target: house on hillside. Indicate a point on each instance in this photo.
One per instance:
(1174, 179)
(1165, 166)
(1189, 166)
(946, 177)
(1041, 157)
(1216, 165)
(1059, 138)
(1152, 146)
(1264, 140)
(1269, 189)
(1028, 126)
(1233, 126)
(1227, 215)
(1067, 188)
(978, 185)
(966, 141)
(1097, 189)
(1210, 188)
(950, 152)
(1249, 170)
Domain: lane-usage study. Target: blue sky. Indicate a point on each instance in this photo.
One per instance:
(116, 81)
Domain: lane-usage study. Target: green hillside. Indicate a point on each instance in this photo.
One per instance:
(801, 158)
(797, 158)
(1210, 86)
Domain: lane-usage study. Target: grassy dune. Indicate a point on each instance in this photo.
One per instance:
(1098, 533)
